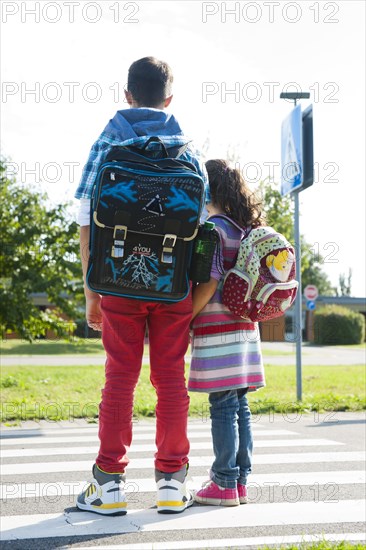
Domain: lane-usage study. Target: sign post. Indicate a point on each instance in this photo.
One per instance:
(310, 294)
(296, 150)
(298, 301)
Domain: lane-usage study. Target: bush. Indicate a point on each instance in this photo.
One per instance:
(83, 331)
(338, 325)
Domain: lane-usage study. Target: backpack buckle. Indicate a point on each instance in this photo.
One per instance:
(119, 237)
(168, 245)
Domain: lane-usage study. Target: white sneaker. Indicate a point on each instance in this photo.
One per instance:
(173, 495)
(104, 495)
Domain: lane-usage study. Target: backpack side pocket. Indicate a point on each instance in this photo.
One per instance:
(273, 300)
(236, 290)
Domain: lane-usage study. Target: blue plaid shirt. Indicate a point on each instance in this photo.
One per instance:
(133, 127)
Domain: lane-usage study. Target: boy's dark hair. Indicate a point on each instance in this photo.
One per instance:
(230, 192)
(149, 81)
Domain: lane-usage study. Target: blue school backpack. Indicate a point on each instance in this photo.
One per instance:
(145, 212)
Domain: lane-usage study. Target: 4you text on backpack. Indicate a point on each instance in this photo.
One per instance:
(261, 285)
(145, 214)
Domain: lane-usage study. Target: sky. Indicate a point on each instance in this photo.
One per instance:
(64, 66)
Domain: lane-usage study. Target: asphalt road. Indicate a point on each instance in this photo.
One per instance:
(308, 481)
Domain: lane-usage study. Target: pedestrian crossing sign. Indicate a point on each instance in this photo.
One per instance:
(291, 152)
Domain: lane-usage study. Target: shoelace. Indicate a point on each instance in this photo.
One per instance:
(207, 483)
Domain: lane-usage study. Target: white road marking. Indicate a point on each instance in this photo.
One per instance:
(49, 440)
(150, 447)
(199, 461)
(193, 425)
(90, 428)
(48, 491)
(72, 524)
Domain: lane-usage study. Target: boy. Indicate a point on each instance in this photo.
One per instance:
(124, 322)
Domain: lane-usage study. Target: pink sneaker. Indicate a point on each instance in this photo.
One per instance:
(242, 492)
(217, 496)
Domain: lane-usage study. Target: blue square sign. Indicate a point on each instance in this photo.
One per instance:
(291, 152)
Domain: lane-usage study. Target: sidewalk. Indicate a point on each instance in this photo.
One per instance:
(311, 355)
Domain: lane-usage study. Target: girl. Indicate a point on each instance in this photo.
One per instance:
(226, 354)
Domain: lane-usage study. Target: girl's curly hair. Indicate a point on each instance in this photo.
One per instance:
(230, 192)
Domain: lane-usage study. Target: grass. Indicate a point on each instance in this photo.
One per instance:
(63, 393)
(78, 346)
(325, 388)
(322, 545)
(277, 353)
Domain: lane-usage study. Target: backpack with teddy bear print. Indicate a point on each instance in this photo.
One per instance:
(261, 285)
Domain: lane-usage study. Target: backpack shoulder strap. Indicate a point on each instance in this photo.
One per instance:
(244, 233)
(244, 230)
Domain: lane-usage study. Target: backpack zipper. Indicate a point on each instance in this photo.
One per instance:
(141, 172)
(266, 291)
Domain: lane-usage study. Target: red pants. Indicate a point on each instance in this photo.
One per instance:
(124, 325)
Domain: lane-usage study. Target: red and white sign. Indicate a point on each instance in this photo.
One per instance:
(311, 292)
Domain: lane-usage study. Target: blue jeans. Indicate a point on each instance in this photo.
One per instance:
(232, 437)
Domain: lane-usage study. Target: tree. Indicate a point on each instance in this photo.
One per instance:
(279, 209)
(280, 214)
(39, 254)
(345, 286)
(313, 274)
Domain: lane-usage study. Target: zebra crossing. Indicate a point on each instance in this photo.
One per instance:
(302, 489)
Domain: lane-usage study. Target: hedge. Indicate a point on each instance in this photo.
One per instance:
(338, 325)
